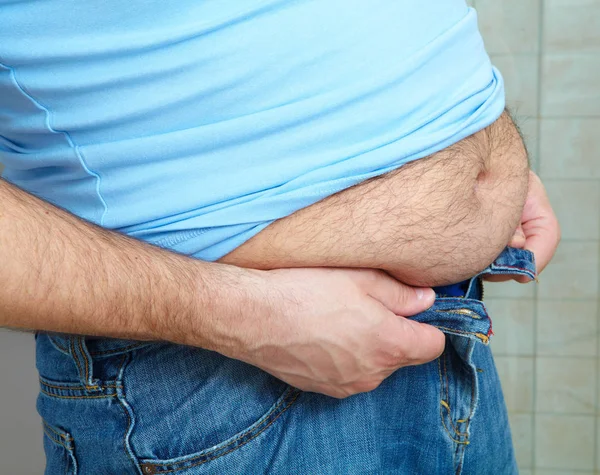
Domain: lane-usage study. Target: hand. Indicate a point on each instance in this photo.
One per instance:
(539, 231)
(338, 331)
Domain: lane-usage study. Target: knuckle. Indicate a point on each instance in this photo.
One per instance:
(341, 393)
(401, 296)
(365, 386)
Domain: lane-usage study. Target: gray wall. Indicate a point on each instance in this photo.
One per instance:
(21, 450)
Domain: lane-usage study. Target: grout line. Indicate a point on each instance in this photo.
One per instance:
(579, 240)
(597, 401)
(567, 179)
(543, 356)
(548, 413)
(570, 116)
(546, 299)
(537, 165)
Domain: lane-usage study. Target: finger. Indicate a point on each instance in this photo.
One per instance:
(420, 343)
(518, 240)
(506, 277)
(542, 229)
(399, 298)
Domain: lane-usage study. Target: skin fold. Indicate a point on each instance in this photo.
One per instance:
(434, 221)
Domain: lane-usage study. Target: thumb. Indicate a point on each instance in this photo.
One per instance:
(399, 298)
(420, 343)
(518, 240)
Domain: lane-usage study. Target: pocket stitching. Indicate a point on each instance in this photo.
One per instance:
(49, 427)
(56, 441)
(288, 398)
(446, 388)
(67, 443)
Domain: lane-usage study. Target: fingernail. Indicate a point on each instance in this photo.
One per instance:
(423, 294)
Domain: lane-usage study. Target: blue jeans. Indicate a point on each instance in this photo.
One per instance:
(126, 407)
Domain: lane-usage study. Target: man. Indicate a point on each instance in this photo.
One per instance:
(337, 158)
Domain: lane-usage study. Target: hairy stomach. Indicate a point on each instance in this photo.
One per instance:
(435, 221)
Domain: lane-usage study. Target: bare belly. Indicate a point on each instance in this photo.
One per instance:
(435, 221)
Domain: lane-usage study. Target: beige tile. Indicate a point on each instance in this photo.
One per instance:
(571, 25)
(570, 84)
(521, 427)
(509, 26)
(516, 376)
(565, 385)
(520, 74)
(570, 148)
(564, 442)
(562, 472)
(573, 273)
(567, 328)
(529, 130)
(513, 324)
(577, 206)
(509, 290)
(597, 445)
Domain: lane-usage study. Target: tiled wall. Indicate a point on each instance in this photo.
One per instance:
(546, 342)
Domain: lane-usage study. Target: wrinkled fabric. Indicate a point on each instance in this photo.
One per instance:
(125, 407)
(193, 125)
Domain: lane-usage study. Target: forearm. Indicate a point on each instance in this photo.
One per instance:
(60, 273)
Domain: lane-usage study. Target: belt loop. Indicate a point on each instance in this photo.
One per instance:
(83, 360)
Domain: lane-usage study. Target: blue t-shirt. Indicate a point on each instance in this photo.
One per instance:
(195, 124)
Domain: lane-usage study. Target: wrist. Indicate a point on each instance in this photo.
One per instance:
(223, 308)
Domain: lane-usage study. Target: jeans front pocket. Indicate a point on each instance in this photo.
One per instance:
(190, 406)
(60, 451)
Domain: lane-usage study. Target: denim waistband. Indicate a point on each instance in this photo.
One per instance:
(459, 309)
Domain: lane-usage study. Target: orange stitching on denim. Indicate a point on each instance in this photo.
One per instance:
(85, 360)
(76, 358)
(447, 406)
(479, 303)
(56, 441)
(441, 412)
(461, 420)
(466, 442)
(292, 401)
(78, 388)
(462, 311)
(460, 434)
(481, 336)
(66, 437)
(74, 354)
(77, 397)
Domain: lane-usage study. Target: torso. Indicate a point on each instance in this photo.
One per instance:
(197, 131)
(435, 221)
